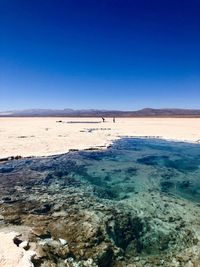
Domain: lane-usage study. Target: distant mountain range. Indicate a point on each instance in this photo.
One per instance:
(146, 112)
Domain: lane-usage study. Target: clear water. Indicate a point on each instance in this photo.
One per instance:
(128, 167)
(142, 192)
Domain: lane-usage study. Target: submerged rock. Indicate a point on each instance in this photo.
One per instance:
(63, 241)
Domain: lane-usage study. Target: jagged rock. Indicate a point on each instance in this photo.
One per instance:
(53, 247)
(63, 241)
(70, 262)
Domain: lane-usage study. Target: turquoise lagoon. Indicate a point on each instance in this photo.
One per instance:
(153, 181)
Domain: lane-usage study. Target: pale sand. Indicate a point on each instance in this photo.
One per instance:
(12, 255)
(45, 136)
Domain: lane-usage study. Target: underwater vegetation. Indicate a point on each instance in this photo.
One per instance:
(137, 201)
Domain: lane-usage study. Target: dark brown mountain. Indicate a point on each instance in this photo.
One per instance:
(146, 112)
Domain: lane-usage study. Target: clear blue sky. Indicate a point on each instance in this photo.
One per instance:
(109, 54)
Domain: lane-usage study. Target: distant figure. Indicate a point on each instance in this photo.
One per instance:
(114, 120)
(103, 119)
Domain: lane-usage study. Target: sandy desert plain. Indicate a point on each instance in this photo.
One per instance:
(48, 136)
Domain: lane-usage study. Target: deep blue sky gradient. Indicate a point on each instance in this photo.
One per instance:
(110, 54)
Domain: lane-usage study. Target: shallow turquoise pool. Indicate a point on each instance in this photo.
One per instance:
(130, 166)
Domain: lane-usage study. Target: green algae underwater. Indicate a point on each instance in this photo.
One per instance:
(136, 203)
